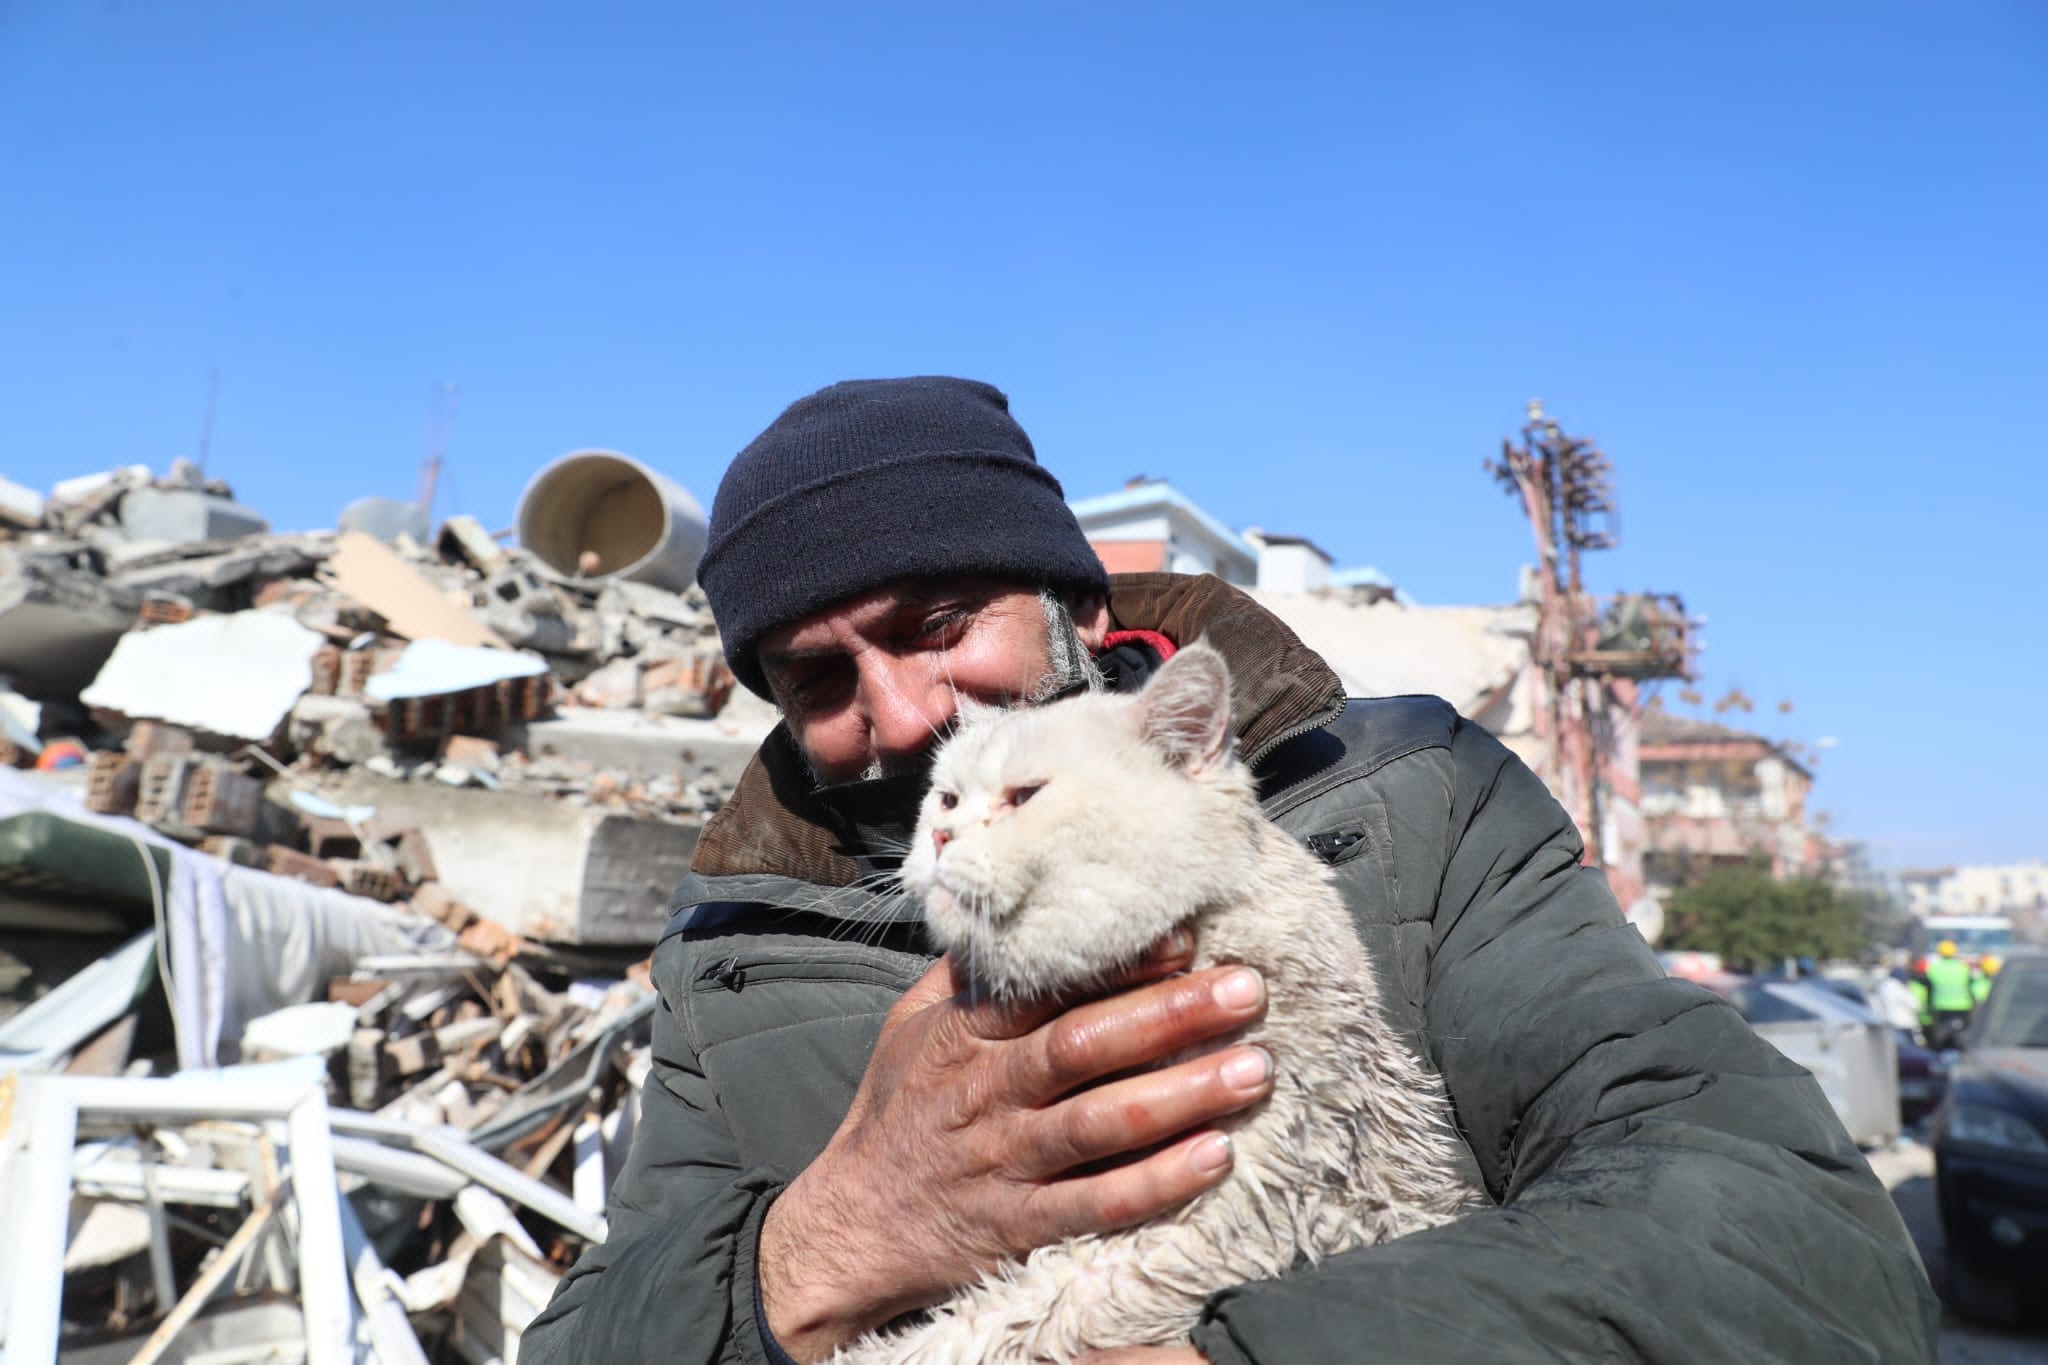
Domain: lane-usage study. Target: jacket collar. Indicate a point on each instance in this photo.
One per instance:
(774, 825)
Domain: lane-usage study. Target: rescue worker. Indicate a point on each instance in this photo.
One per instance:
(1980, 984)
(1949, 994)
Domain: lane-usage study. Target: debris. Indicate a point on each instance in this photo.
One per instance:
(20, 506)
(374, 575)
(58, 623)
(237, 676)
(385, 519)
(435, 668)
(43, 1036)
(181, 515)
(315, 1029)
(466, 539)
(599, 512)
(328, 825)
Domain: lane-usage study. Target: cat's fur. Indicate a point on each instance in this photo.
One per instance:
(1143, 820)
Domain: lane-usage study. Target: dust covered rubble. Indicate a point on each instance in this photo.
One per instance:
(331, 752)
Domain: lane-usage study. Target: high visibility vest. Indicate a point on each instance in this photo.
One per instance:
(1921, 1000)
(1948, 985)
(1980, 986)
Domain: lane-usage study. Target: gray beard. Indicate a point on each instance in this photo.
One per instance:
(1069, 668)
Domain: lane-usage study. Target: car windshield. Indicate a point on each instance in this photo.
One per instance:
(2016, 1015)
(1971, 940)
(1761, 1005)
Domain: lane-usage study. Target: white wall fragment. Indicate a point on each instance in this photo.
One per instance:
(236, 675)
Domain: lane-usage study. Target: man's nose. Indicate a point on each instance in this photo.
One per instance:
(905, 709)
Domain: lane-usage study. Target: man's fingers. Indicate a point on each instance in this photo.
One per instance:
(936, 984)
(1171, 954)
(1124, 1196)
(998, 1021)
(1141, 1111)
(1137, 1028)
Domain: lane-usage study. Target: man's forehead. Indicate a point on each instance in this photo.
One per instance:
(826, 624)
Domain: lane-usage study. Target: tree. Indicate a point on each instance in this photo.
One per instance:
(1750, 919)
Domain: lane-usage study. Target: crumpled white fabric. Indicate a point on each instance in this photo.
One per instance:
(242, 942)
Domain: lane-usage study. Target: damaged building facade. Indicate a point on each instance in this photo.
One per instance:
(1715, 796)
(1484, 660)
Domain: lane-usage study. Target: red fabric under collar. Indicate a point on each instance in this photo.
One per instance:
(1161, 646)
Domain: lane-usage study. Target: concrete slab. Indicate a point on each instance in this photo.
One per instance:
(635, 744)
(56, 630)
(236, 676)
(545, 869)
(186, 514)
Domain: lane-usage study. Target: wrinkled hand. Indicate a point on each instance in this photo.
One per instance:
(979, 1133)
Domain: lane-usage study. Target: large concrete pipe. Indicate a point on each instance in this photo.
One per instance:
(600, 514)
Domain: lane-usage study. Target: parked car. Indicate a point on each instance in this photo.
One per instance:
(1849, 1050)
(1923, 1078)
(1991, 1149)
(1923, 1072)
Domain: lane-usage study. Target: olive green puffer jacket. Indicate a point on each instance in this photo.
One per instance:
(1667, 1186)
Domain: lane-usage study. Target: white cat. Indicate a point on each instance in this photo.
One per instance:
(1057, 843)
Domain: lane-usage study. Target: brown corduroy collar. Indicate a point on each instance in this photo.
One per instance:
(774, 823)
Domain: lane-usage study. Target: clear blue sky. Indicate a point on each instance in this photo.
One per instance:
(1785, 262)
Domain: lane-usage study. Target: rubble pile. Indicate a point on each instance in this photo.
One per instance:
(327, 882)
(144, 617)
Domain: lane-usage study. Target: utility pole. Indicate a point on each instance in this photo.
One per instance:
(1583, 646)
(434, 446)
(206, 424)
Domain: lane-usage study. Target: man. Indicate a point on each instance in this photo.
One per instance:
(1949, 995)
(832, 1136)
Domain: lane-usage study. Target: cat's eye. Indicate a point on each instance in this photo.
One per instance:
(947, 800)
(1019, 795)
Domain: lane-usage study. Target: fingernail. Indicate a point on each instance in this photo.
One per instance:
(1173, 947)
(1248, 1070)
(1240, 990)
(1212, 1153)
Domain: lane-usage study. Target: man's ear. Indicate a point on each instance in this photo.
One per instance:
(1091, 621)
(1184, 711)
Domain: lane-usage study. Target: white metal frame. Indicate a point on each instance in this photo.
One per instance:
(36, 1154)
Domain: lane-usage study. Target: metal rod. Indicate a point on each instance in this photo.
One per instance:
(204, 1284)
(165, 1282)
(480, 1166)
(390, 1331)
(323, 1279)
(39, 1197)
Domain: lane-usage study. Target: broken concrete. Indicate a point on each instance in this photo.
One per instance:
(543, 869)
(237, 676)
(183, 515)
(637, 745)
(57, 626)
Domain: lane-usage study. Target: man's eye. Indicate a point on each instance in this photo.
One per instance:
(814, 688)
(941, 626)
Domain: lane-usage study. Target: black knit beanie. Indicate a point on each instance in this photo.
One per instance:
(874, 480)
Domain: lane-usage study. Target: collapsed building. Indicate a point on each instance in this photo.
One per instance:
(329, 867)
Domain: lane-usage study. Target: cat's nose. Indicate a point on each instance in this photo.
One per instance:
(940, 838)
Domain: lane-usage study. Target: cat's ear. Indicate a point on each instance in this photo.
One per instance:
(1184, 711)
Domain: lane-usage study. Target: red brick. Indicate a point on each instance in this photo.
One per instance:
(289, 862)
(487, 939)
(470, 750)
(148, 738)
